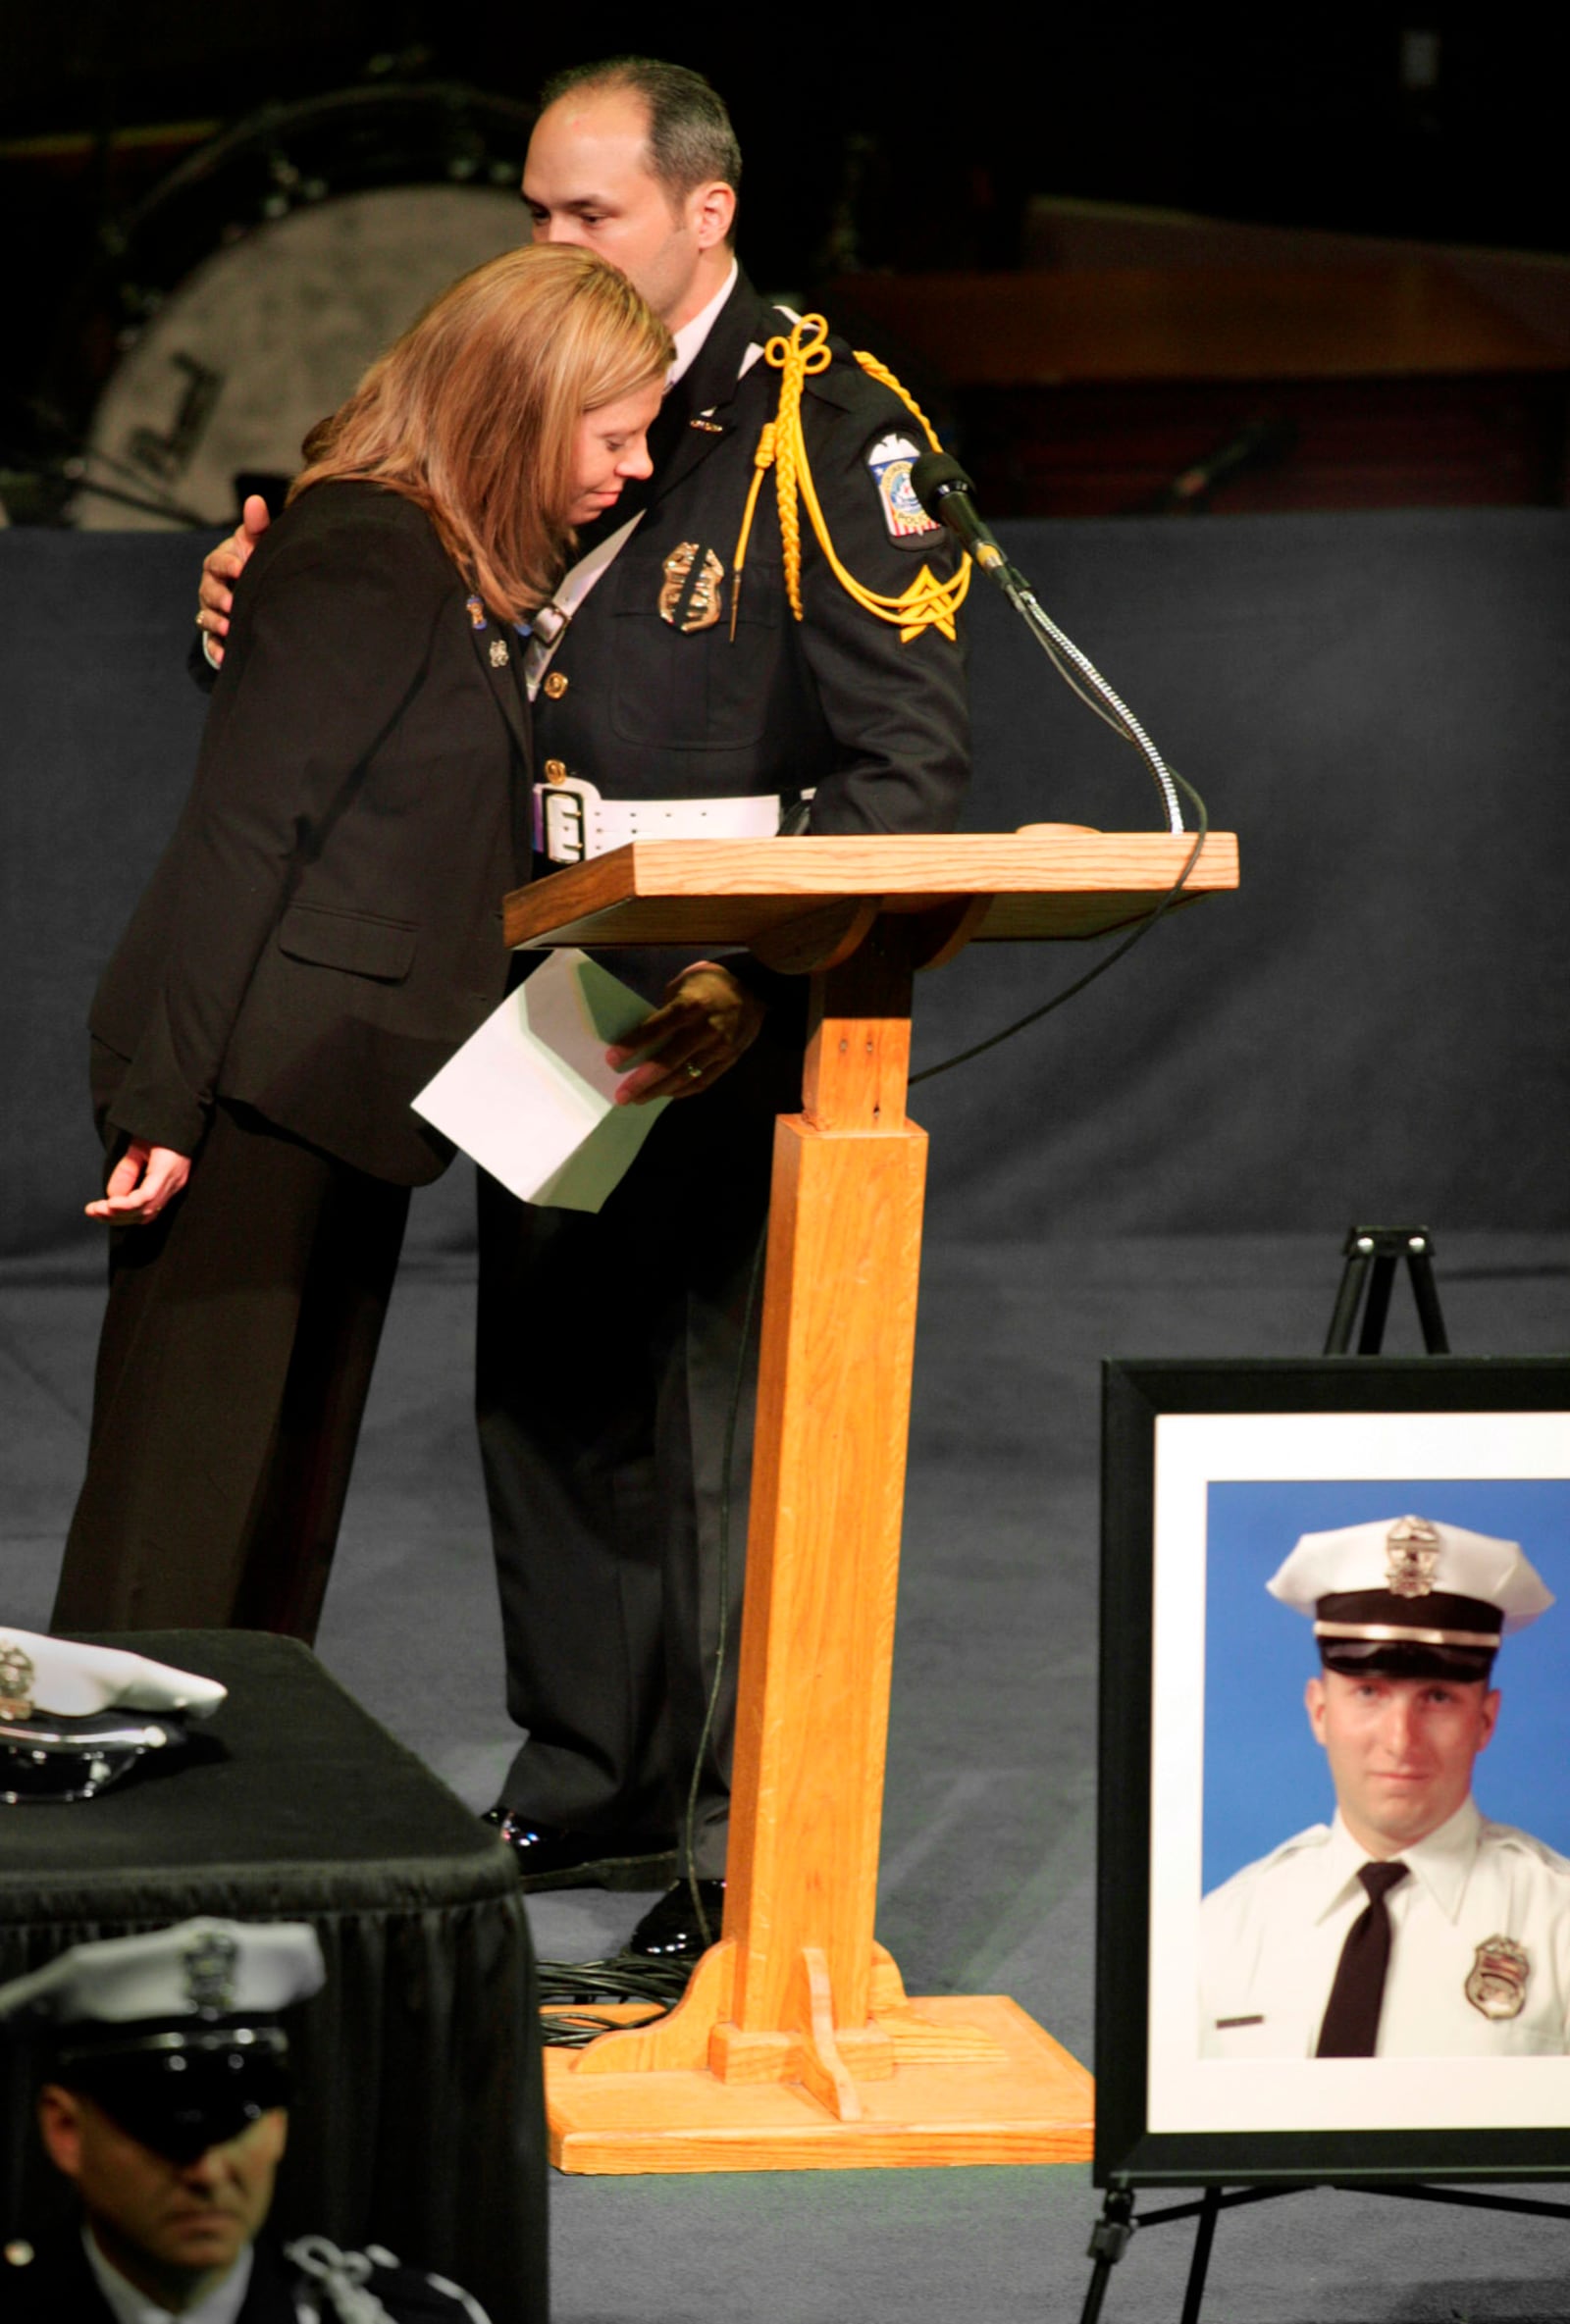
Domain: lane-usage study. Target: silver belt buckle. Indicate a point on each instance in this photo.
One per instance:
(563, 827)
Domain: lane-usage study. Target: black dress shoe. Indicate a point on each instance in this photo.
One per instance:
(548, 1857)
(669, 1931)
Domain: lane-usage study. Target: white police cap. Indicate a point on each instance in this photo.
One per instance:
(1410, 1591)
(68, 1680)
(203, 1970)
(173, 2034)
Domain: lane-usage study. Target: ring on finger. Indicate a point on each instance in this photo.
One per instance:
(694, 1073)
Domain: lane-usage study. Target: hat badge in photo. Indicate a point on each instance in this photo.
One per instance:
(1412, 1556)
(1410, 1596)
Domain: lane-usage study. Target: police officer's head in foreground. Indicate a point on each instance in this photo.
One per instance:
(1408, 1615)
(163, 2095)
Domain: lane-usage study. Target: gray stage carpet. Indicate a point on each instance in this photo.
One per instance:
(990, 1816)
(1373, 1027)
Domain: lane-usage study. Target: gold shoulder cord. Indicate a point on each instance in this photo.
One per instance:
(927, 603)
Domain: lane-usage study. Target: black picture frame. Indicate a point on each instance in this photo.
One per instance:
(1135, 2143)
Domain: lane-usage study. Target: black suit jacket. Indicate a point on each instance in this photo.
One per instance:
(325, 926)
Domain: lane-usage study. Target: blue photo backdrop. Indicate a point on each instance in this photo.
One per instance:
(1264, 1775)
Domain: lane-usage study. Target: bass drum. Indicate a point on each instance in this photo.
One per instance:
(327, 227)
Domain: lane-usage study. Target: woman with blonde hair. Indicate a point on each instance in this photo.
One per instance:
(323, 932)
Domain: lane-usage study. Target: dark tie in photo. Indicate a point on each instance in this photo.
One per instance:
(1352, 2014)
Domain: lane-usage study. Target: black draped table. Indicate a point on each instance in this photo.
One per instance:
(417, 2121)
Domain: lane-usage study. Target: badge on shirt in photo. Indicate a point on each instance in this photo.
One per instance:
(693, 588)
(891, 460)
(1496, 1981)
(475, 607)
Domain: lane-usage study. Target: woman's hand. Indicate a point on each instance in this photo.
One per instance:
(144, 1181)
(694, 1037)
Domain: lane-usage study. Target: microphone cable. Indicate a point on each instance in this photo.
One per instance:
(1140, 929)
(578, 1999)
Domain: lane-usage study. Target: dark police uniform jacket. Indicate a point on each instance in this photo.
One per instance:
(650, 709)
(324, 929)
(54, 2285)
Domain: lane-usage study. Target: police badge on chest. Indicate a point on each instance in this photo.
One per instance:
(692, 590)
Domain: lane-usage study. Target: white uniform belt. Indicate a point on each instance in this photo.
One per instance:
(571, 821)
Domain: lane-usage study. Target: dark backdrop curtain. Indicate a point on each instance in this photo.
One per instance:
(1377, 703)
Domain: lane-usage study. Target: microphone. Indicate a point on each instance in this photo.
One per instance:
(946, 493)
(1256, 444)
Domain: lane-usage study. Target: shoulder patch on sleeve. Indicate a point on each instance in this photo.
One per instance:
(890, 460)
(1510, 1839)
(1312, 1836)
(1240, 1882)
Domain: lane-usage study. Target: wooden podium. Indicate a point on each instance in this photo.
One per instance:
(795, 2046)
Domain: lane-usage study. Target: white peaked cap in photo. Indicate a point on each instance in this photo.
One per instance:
(1411, 1559)
(198, 1969)
(66, 1679)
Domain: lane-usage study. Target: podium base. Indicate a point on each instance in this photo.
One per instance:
(1030, 2102)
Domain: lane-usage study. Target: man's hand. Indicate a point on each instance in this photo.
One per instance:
(694, 1037)
(221, 569)
(144, 1181)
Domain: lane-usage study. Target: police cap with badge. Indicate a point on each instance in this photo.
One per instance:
(1410, 1598)
(174, 2034)
(74, 1718)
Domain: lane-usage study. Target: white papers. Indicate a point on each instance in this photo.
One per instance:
(529, 1095)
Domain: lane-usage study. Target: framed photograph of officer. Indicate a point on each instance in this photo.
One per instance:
(1334, 1916)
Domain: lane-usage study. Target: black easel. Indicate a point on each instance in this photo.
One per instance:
(1371, 1253)
(1113, 2231)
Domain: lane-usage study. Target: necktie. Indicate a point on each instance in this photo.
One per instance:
(545, 628)
(1352, 2013)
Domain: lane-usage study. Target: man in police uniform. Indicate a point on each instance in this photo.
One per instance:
(761, 636)
(164, 2102)
(1410, 1927)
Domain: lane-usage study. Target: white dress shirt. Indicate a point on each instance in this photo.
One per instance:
(129, 2306)
(1271, 1940)
(691, 337)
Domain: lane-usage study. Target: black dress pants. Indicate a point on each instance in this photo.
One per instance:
(611, 1349)
(233, 1371)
